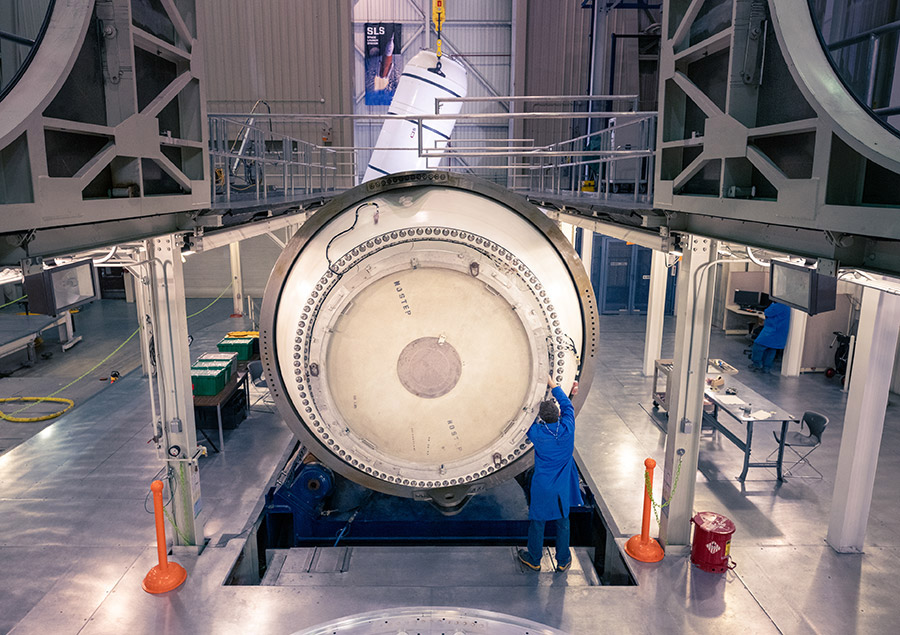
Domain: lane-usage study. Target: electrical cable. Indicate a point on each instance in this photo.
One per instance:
(350, 520)
(211, 303)
(52, 396)
(755, 260)
(173, 487)
(49, 397)
(171, 519)
(158, 477)
(185, 499)
(338, 235)
(3, 306)
(52, 415)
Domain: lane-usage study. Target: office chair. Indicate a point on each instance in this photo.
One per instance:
(255, 369)
(807, 443)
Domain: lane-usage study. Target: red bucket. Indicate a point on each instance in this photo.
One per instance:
(711, 548)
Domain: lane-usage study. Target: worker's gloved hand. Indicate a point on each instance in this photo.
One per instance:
(551, 382)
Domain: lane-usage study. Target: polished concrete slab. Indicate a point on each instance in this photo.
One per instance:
(75, 540)
(803, 585)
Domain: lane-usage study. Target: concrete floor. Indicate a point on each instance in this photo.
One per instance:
(75, 540)
(801, 583)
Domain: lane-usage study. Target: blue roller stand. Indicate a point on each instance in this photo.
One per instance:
(314, 506)
(313, 483)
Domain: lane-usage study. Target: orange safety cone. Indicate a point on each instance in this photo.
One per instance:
(644, 548)
(166, 575)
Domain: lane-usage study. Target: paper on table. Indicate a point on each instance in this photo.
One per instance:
(731, 400)
(762, 414)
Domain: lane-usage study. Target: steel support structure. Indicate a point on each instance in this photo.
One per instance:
(873, 363)
(694, 302)
(176, 429)
(237, 282)
(144, 315)
(155, 149)
(656, 311)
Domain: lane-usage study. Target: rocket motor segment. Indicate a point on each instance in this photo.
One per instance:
(409, 327)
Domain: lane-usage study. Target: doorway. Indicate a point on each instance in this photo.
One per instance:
(620, 272)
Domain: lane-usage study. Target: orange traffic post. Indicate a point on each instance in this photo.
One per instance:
(166, 575)
(643, 547)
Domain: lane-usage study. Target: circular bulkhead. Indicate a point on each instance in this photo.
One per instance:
(409, 326)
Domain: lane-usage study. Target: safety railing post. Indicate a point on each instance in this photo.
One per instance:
(307, 171)
(284, 167)
(166, 575)
(226, 153)
(212, 124)
(262, 164)
(651, 164)
(642, 547)
(640, 163)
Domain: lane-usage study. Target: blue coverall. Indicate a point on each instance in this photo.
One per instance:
(555, 486)
(773, 336)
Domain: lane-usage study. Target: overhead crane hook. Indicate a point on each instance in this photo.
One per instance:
(438, 16)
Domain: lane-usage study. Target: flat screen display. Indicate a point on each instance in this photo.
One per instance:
(802, 287)
(791, 286)
(746, 298)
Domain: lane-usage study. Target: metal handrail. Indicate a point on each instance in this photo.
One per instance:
(536, 99)
(298, 118)
(865, 35)
(304, 167)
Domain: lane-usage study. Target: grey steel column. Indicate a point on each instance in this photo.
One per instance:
(237, 282)
(179, 432)
(694, 303)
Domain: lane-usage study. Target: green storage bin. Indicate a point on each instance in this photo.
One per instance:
(214, 364)
(207, 382)
(231, 358)
(243, 346)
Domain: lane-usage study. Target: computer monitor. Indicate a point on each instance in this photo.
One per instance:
(802, 287)
(746, 298)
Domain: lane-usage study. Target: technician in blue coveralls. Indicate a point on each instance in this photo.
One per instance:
(772, 338)
(554, 486)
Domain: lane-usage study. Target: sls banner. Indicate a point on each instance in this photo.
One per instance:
(383, 65)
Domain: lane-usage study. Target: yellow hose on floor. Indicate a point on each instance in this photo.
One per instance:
(52, 415)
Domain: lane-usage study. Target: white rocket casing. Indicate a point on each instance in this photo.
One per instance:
(416, 91)
(393, 310)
